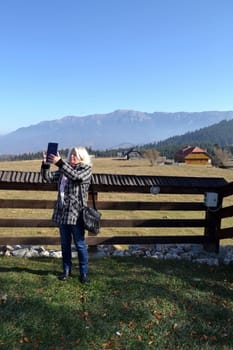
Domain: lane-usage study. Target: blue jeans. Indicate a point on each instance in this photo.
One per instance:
(77, 232)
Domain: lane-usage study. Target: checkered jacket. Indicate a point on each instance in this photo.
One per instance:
(68, 210)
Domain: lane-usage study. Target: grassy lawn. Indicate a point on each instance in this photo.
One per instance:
(131, 303)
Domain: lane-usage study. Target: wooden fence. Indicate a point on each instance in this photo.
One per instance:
(203, 224)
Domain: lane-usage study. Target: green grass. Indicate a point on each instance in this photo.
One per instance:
(130, 303)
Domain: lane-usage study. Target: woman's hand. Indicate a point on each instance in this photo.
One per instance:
(51, 159)
(54, 158)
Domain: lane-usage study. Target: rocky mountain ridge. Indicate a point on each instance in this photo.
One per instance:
(105, 131)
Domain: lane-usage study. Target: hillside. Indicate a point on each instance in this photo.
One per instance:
(220, 133)
(104, 131)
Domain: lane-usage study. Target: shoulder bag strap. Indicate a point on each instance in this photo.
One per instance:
(92, 194)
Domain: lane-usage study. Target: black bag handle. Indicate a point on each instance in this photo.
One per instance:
(92, 193)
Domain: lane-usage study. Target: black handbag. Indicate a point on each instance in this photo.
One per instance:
(90, 215)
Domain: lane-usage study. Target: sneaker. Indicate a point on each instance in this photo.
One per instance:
(64, 276)
(83, 279)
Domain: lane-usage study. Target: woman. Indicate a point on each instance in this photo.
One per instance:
(73, 176)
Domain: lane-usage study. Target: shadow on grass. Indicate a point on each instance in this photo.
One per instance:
(23, 270)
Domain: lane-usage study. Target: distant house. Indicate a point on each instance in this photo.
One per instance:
(192, 155)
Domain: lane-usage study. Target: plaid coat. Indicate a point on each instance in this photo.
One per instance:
(67, 210)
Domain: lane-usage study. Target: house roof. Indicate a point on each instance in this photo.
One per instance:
(183, 152)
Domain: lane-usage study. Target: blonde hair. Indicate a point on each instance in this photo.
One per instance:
(81, 153)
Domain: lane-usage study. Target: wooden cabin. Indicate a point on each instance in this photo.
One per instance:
(193, 155)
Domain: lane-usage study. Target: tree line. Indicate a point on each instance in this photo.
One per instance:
(151, 151)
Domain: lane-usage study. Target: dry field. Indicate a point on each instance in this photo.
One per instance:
(115, 166)
(137, 167)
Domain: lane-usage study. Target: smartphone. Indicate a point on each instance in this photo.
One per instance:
(51, 149)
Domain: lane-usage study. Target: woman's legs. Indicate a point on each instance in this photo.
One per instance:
(80, 243)
(66, 237)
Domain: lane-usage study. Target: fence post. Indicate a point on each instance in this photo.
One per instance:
(214, 223)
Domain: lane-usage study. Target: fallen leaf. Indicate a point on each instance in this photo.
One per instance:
(223, 335)
(116, 292)
(24, 340)
(119, 333)
(158, 315)
(125, 306)
(148, 325)
(84, 315)
(3, 298)
(204, 337)
(132, 324)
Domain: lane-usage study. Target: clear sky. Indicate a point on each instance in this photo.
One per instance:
(81, 57)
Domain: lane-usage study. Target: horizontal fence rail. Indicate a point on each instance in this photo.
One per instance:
(209, 220)
(104, 205)
(110, 223)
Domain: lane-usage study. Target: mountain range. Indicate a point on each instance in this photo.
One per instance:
(105, 131)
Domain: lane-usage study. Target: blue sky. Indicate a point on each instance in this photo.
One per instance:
(81, 57)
